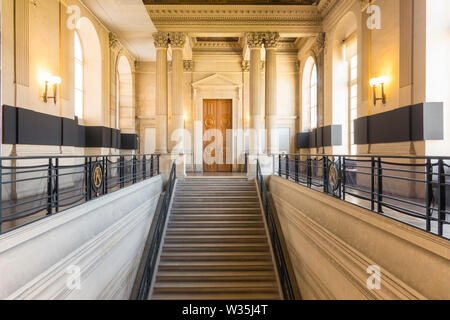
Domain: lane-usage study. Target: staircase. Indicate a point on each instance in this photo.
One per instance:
(215, 246)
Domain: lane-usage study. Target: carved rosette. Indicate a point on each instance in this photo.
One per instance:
(255, 39)
(188, 65)
(161, 39)
(271, 39)
(177, 39)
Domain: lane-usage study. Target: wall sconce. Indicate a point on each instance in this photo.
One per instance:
(50, 83)
(379, 82)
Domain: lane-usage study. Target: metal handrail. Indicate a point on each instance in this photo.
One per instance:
(37, 187)
(155, 238)
(363, 180)
(283, 264)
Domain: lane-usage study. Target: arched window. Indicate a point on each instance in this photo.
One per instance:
(345, 80)
(78, 76)
(309, 100)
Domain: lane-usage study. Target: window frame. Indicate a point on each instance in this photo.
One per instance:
(78, 112)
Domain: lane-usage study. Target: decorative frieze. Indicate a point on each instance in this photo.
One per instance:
(161, 39)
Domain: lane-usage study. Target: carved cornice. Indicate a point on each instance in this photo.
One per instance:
(170, 17)
(255, 39)
(217, 45)
(325, 6)
(188, 65)
(177, 39)
(161, 39)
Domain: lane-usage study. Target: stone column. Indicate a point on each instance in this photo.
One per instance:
(254, 42)
(161, 40)
(177, 41)
(270, 43)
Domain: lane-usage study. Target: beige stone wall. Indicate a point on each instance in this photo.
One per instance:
(332, 243)
(44, 45)
(385, 52)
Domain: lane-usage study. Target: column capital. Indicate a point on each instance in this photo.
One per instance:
(177, 39)
(271, 40)
(161, 40)
(255, 39)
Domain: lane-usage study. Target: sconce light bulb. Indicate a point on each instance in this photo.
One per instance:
(376, 82)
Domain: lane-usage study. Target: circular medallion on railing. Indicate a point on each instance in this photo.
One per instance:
(97, 178)
(334, 179)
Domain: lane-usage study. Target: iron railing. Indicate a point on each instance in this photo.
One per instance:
(33, 188)
(412, 190)
(154, 240)
(283, 264)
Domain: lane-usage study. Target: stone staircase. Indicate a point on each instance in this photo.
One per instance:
(215, 246)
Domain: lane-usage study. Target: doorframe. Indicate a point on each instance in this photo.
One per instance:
(204, 90)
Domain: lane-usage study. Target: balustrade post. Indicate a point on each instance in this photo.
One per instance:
(1, 194)
(49, 186)
(56, 185)
(287, 167)
(344, 177)
(309, 172)
(380, 186)
(325, 175)
(279, 165)
(442, 198)
(296, 168)
(372, 184)
(429, 192)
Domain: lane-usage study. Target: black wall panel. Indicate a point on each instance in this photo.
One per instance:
(392, 126)
(128, 141)
(303, 140)
(9, 125)
(38, 129)
(22, 126)
(70, 136)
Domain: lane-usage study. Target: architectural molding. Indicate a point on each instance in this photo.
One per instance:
(188, 65)
(161, 39)
(298, 18)
(113, 41)
(177, 39)
(255, 40)
(271, 40)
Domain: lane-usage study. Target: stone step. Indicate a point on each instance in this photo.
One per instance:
(216, 239)
(216, 296)
(215, 276)
(216, 210)
(214, 247)
(203, 198)
(212, 216)
(205, 266)
(215, 256)
(216, 231)
(218, 205)
(217, 286)
(215, 224)
(212, 193)
(224, 188)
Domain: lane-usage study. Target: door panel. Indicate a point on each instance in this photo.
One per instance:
(217, 115)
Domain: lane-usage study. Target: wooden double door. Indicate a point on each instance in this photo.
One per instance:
(217, 135)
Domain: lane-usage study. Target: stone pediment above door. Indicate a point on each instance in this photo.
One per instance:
(215, 81)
